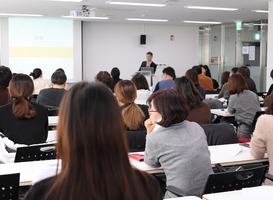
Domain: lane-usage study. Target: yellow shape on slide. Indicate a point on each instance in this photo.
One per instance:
(40, 52)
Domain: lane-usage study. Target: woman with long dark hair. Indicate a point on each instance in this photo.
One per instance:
(93, 148)
(23, 121)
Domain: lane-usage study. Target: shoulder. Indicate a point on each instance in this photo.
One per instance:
(38, 190)
(264, 119)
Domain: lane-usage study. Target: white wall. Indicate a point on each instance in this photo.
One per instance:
(108, 45)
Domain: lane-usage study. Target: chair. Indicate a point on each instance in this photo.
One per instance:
(35, 153)
(218, 134)
(52, 110)
(9, 186)
(257, 115)
(235, 180)
(136, 140)
(230, 180)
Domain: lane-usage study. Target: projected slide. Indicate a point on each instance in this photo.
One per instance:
(41, 43)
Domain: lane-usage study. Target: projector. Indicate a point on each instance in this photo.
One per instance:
(84, 12)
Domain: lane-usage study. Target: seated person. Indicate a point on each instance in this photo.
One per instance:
(193, 76)
(23, 121)
(115, 73)
(243, 103)
(245, 72)
(262, 140)
(53, 96)
(199, 110)
(143, 90)
(167, 79)
(204, 81)
(93, 152)
(177, 145)
(208, 74)
(38, 81)
(133, 115)
(5, 77)
(224, 88)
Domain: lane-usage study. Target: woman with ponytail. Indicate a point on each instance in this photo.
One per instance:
(22, 121)
(133, 115)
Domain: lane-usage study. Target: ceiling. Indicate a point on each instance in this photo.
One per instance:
(174, 11)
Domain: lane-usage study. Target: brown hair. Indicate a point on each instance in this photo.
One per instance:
(140, 82)
(193, 76)
(236, 84)
(104, 77)
(268, 102)
(21, 88)
(133, 116)
(244, 70)
(224, 77)
(188, 91)
(93, 147)
(170, 105)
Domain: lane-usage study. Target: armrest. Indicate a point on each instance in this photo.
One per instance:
(175, 190)
(269, 176)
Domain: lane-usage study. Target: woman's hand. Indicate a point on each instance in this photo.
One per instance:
(149, 125)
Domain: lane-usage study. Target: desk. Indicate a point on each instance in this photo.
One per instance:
(27, 170)
(260, 192)
(211, 96)
(53, 120)
(226, 155)
(52, 136)
(225, 113)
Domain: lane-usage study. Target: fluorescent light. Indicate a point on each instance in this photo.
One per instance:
(67, 0)
(85, 18)
(134, 4)
(146, 20)
(202, 22)
(260, 11)
(20, 15)
(211, 8)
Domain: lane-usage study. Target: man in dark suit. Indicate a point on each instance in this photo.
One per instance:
(148, 62)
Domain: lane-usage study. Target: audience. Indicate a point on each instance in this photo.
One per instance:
(104, 77)
(22, 121)
(193, 76)
(38, 81)
(93, 147)
(143, 91)
(208, 74)
(53, 96)
(224, 88)
(177, 145)
(167, 79)
(271, 86)
(133, 115)
(243, 103)
(199, 110)
(245, 72)
(5, 77)
(115, 73)
(204, 81)
(234, 70)
(262, 140)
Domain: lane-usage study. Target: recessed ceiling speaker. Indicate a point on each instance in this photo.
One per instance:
(142, 39)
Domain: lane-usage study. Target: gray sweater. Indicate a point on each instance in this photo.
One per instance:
(182, 151)
(244, 106)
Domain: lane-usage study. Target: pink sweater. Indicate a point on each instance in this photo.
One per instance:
(262, 141)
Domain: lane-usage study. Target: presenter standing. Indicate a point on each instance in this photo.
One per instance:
(148, 62)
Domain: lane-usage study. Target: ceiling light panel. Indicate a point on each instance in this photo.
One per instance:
(211, 8)
(134, 4)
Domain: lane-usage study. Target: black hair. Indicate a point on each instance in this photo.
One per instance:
(198, 69)
(5, 76)
(149, 53)
(37, 72)
(115, 73)
(58, 78)
(169, 71)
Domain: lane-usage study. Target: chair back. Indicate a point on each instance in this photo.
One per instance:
(35, 153)
(257, 115)
(52, 110)
(136, 140)
(218, 134)
(9, 186)
(235, 180)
